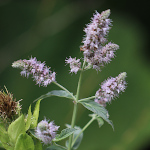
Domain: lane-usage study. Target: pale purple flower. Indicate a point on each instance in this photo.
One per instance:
(96, 52)
(75, 65)
(110, 89)
(40, 72)
(45, 131)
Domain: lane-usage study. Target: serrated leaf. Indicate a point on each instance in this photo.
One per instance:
(35, 116)
(16, 128)
(28, 122)
(64, 134)
(59, 93)
(79, 139)
(97, 109)
(24, 142)
(54, 147)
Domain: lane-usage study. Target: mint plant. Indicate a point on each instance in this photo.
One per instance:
(21, 131)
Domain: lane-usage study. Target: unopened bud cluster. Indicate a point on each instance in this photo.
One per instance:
(45, 131)
(41, 73)
(110, 89)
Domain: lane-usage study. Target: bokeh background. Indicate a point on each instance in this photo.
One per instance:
(52, 30)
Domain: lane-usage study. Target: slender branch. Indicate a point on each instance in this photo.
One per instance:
(65, 90)
(75, 107)
(79, 82)
(84, 99)
(83, 130)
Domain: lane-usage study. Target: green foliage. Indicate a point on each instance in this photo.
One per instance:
(99, 119)
(97, 109)
(55, 147)
(24, 142)
(4, 138)
(59, 93)
(16, 128)
(64, 134)
(37, 144)
(35, 116)
(28, 122)
(79, 139)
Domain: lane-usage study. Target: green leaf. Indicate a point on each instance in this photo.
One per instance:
(79, 139)
(28, 122)
(24, 142)
(100, 121)
(1, 146)
(16, 128)
(64, 134)
(97, 109)
(37, 144)
(3, 134)
(2, 127)
(59, 93)
(35, 116)
(54, 147)
(32, 131)
(4, 139)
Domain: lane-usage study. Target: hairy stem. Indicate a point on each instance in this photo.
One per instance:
(75, 107)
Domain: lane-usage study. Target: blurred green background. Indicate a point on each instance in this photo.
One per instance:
(52, 30)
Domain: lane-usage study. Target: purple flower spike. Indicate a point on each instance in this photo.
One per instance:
(96, 51)
(75, 65)
(111, 88)
(45, 131)
(41, 73)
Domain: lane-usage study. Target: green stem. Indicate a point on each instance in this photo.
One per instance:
(84, 99)
(75, 107)
(83, 130)
(64, 89)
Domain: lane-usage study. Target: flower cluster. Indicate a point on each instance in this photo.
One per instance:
(96, 51)
(75, 65)
(45, 131)
(110, 89)
(41, 73)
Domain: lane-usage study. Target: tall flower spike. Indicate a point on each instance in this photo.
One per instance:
(45, 131)
(111, 88)
(96, 51)
(41, 73)
(75, 65)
